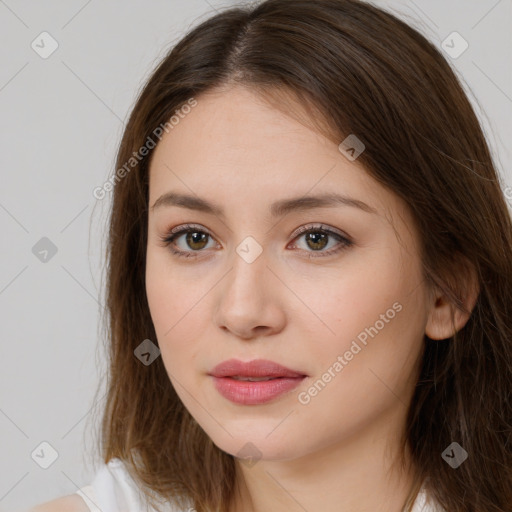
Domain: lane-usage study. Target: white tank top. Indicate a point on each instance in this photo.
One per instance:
(113, 490)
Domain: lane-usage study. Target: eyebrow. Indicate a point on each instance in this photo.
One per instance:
(277, 209)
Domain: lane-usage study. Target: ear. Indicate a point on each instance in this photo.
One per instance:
(448, 314)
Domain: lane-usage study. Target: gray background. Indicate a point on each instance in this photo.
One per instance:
(61, 120)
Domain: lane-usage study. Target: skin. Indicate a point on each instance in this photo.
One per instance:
(70, 503)
(291, 305)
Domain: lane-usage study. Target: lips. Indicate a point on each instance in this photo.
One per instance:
(257, 368)
(255, 382)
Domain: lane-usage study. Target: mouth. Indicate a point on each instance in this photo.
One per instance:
(254, 382)
(255, 369)
(252, 379)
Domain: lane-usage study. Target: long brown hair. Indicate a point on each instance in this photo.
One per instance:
(365, 72)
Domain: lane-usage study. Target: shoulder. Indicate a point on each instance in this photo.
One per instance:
(71, 503)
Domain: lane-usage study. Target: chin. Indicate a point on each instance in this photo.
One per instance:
(254, 442)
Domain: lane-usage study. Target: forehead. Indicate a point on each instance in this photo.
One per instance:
(237, 149)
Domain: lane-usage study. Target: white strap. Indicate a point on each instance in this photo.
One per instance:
(87, 494)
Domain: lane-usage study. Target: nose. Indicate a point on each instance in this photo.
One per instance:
(250, 299)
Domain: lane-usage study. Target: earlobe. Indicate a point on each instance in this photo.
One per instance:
(444, 318)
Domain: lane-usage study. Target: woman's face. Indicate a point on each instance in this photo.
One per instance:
(347, 318)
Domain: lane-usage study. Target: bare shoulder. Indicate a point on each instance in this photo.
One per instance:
(71, 503)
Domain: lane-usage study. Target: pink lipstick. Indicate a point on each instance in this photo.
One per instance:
(254, 382)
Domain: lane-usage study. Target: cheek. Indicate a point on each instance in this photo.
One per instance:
(168, 292)
(180, 311)
(171, 301)
(377, 369)
(373, 316)
(343, 301)
(161, 296)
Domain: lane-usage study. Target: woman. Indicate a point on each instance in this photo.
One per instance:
(309, 279)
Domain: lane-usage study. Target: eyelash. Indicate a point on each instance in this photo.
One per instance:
(171, 236)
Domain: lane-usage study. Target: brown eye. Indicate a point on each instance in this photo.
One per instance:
(196, 240)
(317, 238)
(317, 241)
